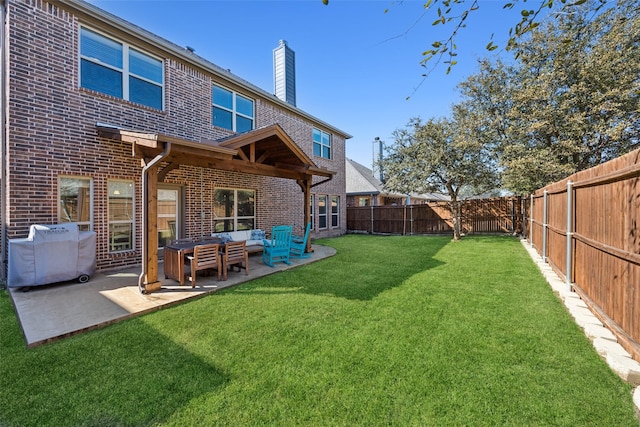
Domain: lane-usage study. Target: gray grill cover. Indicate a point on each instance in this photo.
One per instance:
(51, 253)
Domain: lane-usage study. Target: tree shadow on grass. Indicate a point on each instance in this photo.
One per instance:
(363, 267)
(132, 376)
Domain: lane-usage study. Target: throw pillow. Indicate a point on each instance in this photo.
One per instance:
(257, 234)
(225, 237)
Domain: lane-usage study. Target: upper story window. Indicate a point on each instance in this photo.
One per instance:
(117, 69)
(321, 143)
(231, 110)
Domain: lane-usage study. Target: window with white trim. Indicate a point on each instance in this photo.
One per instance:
(364, 201)
(233, 209)
(322, 211)
(335, 211)
(114, 68)
(311, 211)
(121, 215)
(75, 196)
(321, 143)
(231, 110)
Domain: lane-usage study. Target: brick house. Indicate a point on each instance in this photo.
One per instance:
(365, 189)
(127, 134)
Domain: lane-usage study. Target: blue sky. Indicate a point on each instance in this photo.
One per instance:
(355, 64)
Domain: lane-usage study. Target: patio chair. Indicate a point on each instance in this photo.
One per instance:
(278, 248)
(299, 244)
(204, 257)
(235, 253)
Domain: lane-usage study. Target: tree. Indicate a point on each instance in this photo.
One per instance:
(457, 12)
(439, 155)
(569, 102)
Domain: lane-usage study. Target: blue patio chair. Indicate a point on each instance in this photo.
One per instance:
(278, 248)
(299, 244)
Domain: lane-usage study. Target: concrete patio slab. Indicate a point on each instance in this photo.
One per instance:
(51, 312)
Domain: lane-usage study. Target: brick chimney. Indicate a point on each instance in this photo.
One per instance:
(284, 73)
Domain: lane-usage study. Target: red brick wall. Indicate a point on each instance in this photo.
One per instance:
(52, 131)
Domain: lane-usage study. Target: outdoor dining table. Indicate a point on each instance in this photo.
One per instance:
(175, 254)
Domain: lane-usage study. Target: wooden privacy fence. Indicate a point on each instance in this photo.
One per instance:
(497, 215)
(586, 228)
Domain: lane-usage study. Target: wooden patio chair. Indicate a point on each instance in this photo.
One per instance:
(299, 244)
(235, 253)
(279, 247)
(204, 257)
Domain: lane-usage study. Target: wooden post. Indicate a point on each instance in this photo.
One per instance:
(544, 224)
(569, 255)
(306, 189)
(307, 210)
(150, 224)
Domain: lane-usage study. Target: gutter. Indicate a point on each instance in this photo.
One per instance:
(4, 142)
(145, 219)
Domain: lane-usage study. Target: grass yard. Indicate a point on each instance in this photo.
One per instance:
(408, 331)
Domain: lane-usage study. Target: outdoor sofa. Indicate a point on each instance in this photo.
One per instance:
(254, 238)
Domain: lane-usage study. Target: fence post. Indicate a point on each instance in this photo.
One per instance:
(568, 275)
(411, 219)
(371, 216)
(513, 216)
(404, 220)
(531, 221)
(544, 225)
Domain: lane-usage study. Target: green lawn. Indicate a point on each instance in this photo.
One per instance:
(407, 331)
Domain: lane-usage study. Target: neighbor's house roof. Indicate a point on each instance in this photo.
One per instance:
(362, 182)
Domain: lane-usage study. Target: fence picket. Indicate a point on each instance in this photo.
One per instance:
(496, 215)
(593, 241)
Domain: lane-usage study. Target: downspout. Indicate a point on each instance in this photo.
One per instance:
(145, 220)
(4, 141)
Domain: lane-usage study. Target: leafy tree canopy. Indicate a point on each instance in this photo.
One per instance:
(454, 14)
(569, 102)
(439, 155)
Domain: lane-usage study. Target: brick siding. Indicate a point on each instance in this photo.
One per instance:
(51, 132)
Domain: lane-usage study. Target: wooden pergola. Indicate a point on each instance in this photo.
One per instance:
(267, 151)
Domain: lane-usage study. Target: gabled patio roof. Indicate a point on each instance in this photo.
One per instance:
(266, 151)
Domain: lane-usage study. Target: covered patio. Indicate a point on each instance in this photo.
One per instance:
(266, 151)
(48, 313)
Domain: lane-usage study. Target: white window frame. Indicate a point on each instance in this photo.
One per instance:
(120, 246)
(364, 201)
(233, 110)
(324, 215)
(124, 71)
(311, 211)
(235, 218)
(63, 214)
(321, 144)
(335, 211)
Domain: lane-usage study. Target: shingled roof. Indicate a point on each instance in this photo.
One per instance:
(361, 181)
